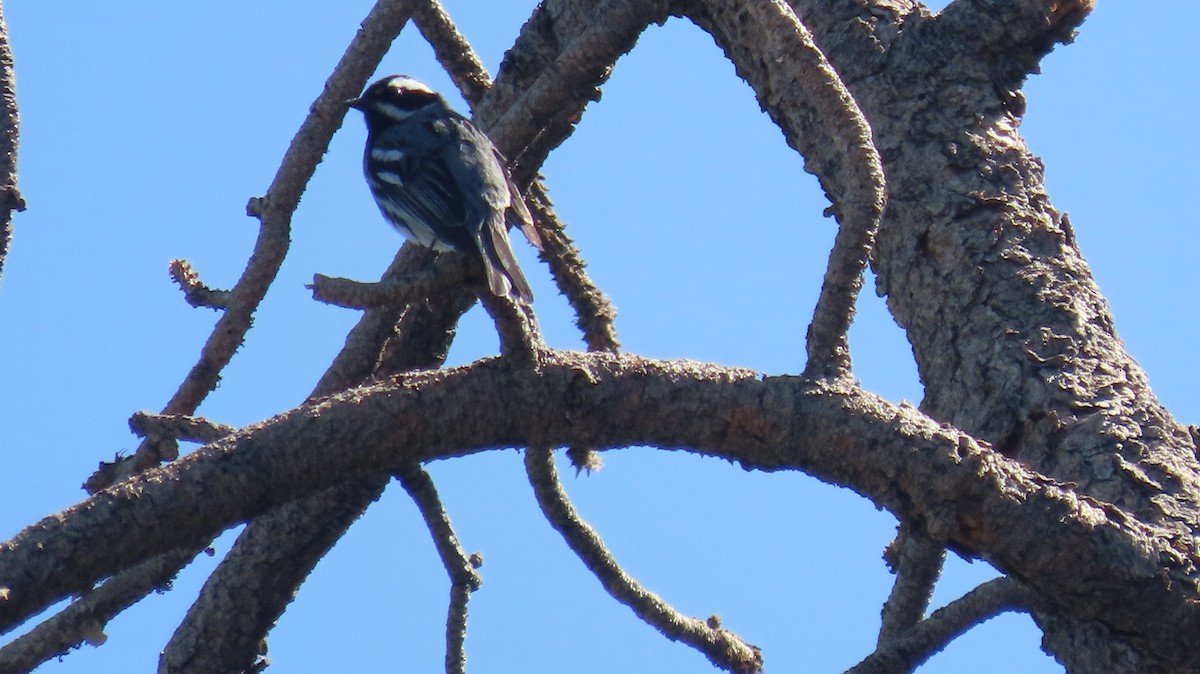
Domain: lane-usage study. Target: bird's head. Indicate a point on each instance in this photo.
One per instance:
(394, 99)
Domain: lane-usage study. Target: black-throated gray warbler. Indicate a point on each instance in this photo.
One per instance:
(440, 181)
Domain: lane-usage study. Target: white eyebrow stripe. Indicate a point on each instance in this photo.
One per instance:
(387, 154)
(392, 111)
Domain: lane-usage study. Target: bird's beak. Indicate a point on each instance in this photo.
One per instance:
(356, 103)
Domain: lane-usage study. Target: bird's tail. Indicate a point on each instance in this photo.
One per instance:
(503, 273)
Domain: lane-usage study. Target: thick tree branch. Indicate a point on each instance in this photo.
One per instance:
(909, 650)
(565, 51)
(1140, 581)
(1010, 37)
(85, 619)
(722, 647)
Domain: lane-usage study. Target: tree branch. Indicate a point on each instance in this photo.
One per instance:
(1139, 578)
(722, 647)
(10, 127)
(452, 50)
(911, 649)
(1030, 29)
(564, 52)
(595, 315)
(448, 271)
(773, 51)
(290, 541)
(464, 579)
(918, 567)
(178, 427)
(360, 354)
(284, 545)
(194, 290)
(294, 537)
(85, 619)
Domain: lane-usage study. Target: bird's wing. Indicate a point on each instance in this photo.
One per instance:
(426, 185)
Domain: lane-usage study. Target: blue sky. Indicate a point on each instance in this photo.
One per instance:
(146, 127)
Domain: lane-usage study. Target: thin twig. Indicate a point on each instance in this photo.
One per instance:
(448, 270)
(722, 647)
(360, 354)
(10, 126)
(918, 565)
(464, 579)
(194, 290)
(909, 650)
(595, 314)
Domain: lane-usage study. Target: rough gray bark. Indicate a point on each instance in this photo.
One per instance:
(1013, 340)
(1038, 447)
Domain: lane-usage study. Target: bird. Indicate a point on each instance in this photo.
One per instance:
(441, 182)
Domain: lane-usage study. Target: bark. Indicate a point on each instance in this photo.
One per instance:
(1137, 581)
(1013, 340)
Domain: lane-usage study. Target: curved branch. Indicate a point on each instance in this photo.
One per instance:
(722, 647)
(773, 51)
(1140, 581)
(912, 648)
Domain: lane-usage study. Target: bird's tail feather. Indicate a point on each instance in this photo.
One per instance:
(503, 273)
